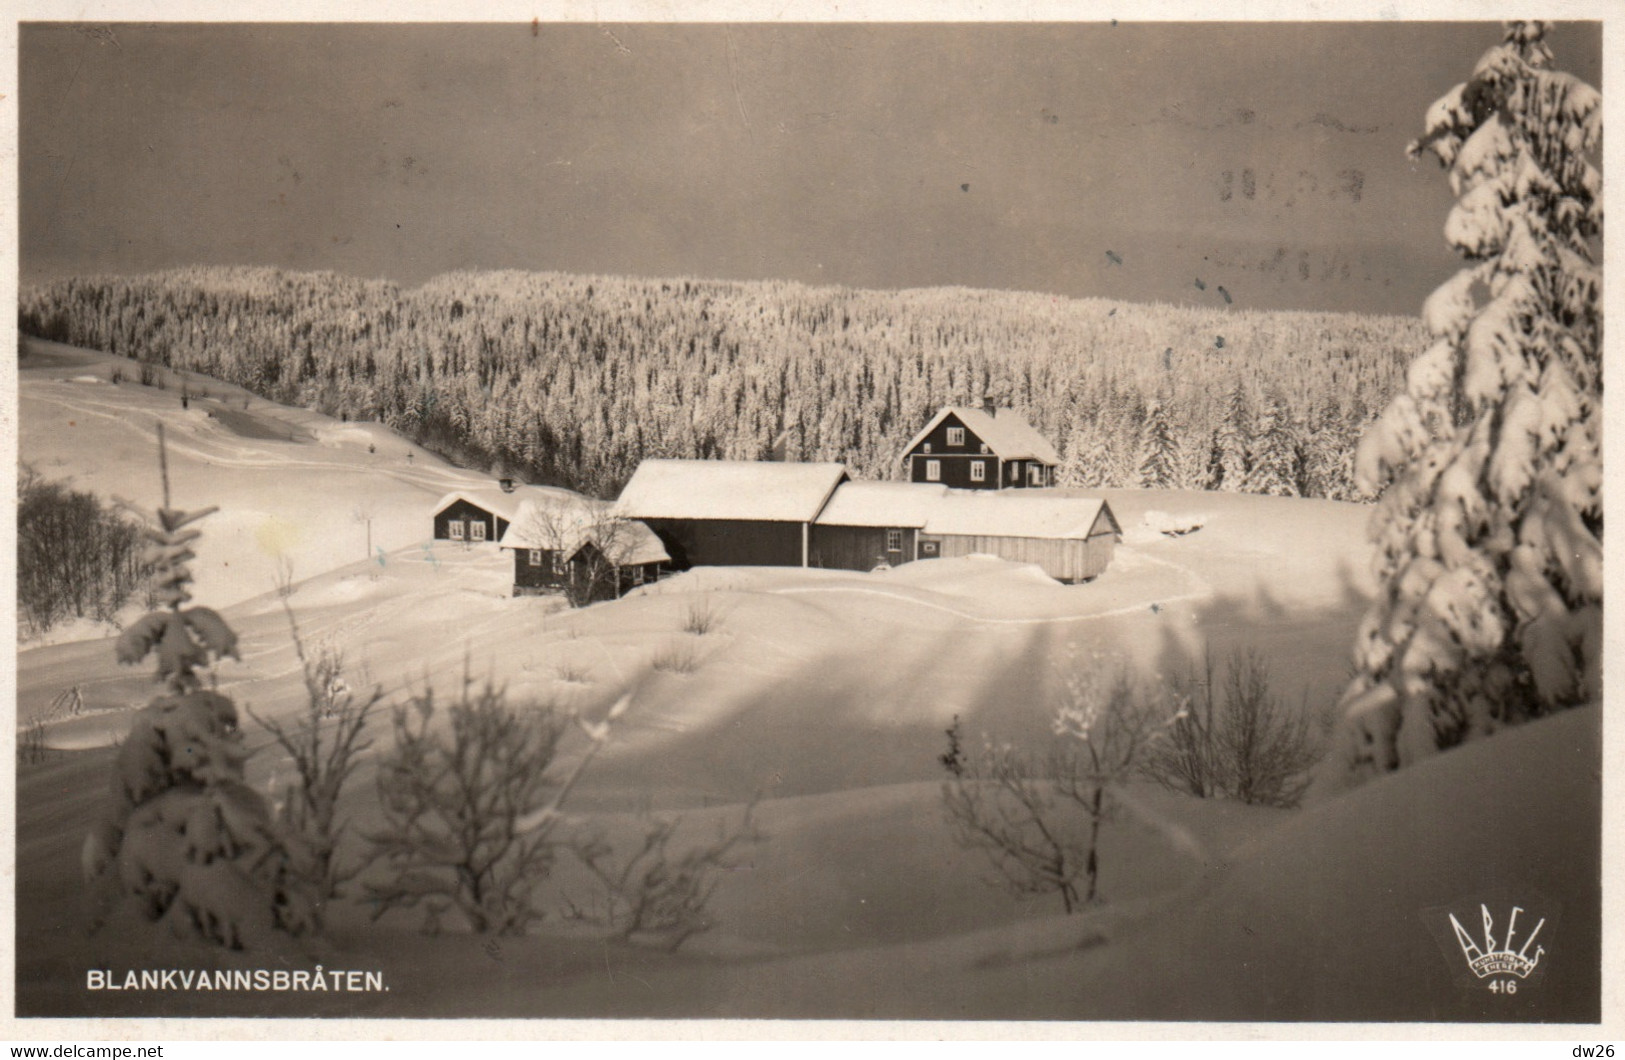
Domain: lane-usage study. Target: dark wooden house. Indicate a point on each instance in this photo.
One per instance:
(473, 516)
(731, 512)
(981, 449)
(582, 550)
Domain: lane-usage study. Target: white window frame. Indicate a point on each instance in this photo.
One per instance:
(978, 470)
(956, 436)
(933, 471)
(894, 541)
(535, 557)
(560, 564)
(455, 529)
(476, 530)
(637, 575)
(1035, 474)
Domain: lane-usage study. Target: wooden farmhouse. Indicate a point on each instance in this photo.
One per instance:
(473, 516)
(981, 449)
(872, 524)
(731, 512)
(580, 549)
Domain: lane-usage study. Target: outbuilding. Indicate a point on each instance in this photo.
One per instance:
(872, 524)
(581, 549)
(473, 516)
(731, 512)
(1070, 538)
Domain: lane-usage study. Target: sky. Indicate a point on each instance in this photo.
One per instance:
(1142, 161)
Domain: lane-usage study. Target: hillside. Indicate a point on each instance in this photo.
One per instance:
(571, 380)
(824, 695)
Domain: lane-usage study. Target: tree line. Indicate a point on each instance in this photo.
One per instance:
(572, 380)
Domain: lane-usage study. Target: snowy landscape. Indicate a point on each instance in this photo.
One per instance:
(555, 643)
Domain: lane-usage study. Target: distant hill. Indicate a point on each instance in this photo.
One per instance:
(572, 380)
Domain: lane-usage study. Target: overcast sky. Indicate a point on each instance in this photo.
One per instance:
(1128, 161)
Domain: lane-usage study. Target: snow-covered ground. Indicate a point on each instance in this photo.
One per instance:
(823, 694)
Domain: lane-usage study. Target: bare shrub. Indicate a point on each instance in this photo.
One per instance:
(1036, 814)
(31, 747)
(571, 671)
(323, 744)
(675, 657)
(76, 558)
(1236, 739)
(700, 618)
(468, 828)
(656, 893)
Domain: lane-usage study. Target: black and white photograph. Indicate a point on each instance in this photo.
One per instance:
(1071, 522)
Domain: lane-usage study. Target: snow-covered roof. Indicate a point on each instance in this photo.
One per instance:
(565, 526)
(1018, 513)
(1007, 434)
(896, 504)
(936, 509)
(493, 499)
(729, 489)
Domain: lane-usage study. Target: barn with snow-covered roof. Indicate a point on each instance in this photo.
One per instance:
(872, 524)
(476, 515)
(1071, 538)
(981, 449)
(730, 512)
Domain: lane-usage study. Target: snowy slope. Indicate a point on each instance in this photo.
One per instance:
(295, 489)
(824, 694)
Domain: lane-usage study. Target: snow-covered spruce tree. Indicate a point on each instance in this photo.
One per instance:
(1160, 469)
(184, 843)
(1489, 530)
(1274, 461)
(1234, 431)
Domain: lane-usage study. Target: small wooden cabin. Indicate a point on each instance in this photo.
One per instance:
(981, 449)
(581, 550)
(474, 516)
(730, 512)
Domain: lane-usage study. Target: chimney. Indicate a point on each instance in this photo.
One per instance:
(506, 484)
(988, 406)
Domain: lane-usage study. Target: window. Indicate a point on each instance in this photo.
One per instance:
(928, 447)
(894, 541)
(535, 557)
(477, 529)
(558, 564)
(637, 575)
(933, 471)
(978, 470)
(956, 436)
(1035, 474)
(456, 529)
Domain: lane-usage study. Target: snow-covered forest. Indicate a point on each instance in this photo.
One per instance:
(571, 380)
